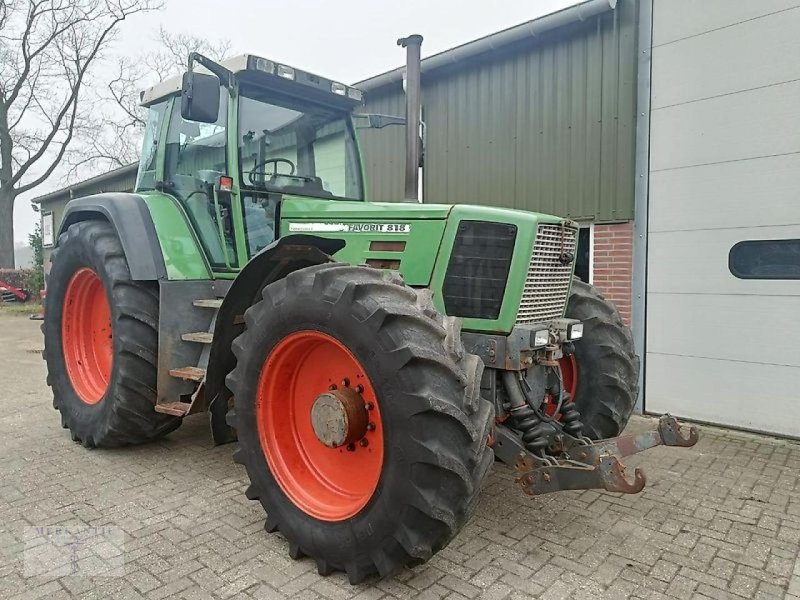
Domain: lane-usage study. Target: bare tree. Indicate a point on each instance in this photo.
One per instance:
(118, 124)
(47, 51)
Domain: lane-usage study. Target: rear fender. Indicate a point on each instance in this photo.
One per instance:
(274, 262)
(130, 217)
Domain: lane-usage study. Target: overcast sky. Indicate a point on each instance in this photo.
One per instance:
(345, 40)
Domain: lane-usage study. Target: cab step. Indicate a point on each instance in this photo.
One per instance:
(201, 337)
(176, 409)
(189, 373)
(207, 302)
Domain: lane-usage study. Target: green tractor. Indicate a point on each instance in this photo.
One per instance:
(371, 360)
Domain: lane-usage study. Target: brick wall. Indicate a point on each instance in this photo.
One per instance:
(613, 265)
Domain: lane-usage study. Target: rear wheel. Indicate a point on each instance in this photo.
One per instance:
(359, 419)
(101, 341)
(602, 375)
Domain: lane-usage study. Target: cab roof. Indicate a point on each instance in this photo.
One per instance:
(257, 70)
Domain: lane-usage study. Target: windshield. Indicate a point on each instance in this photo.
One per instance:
(294, 148)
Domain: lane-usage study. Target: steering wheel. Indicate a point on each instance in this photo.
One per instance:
(276, 161)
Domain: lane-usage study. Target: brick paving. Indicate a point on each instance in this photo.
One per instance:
(721, 520)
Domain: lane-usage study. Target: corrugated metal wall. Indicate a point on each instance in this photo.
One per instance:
(545, 126)
(119, 180)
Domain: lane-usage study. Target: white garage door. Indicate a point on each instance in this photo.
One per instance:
(725, 169)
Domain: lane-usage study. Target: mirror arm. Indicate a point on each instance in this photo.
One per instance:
(225, 76)
(377, 121)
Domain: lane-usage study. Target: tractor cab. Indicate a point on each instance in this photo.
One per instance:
(228, 142)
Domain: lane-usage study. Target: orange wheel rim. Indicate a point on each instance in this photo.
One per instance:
(86, 336)
(569, 374)
(569, 381)
(328, 483)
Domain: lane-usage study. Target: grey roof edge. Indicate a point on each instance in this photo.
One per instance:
(97, 179)
(572, 14)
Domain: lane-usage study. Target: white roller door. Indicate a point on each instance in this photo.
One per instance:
(725, 168)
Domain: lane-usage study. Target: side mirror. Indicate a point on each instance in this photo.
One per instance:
(200, 97)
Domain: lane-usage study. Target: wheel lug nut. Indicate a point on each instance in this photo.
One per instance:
(360, 388)
(345, 382)
(370, 426)
(369, 405)
(351, 447)
(332, 386)
(364, 442)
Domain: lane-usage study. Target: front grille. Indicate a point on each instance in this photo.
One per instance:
(548, 280)
(476, 276)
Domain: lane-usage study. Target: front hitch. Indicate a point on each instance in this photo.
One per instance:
(572, 463)
(608, 474)
(668, 433)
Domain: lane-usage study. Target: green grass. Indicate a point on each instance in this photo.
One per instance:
(19, 309)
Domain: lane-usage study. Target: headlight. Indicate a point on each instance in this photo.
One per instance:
(262, 64)
(541, 338)
(574, 332)
(285, 72)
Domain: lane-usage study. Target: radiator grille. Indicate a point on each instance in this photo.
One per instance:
(548, 280)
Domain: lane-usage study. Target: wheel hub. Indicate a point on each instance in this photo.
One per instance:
(339, 417)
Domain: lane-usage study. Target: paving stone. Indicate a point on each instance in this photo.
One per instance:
(721, 520)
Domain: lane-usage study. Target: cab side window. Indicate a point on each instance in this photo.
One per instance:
(146, 178)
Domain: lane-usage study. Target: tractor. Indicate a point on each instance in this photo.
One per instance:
(371, 360)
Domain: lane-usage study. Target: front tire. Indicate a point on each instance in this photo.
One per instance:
(101, 341)
(398, 492)
(603, 372)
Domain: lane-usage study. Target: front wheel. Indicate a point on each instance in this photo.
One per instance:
(602, 375)
(359, 418)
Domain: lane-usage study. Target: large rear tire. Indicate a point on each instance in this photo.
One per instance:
(401, 489)
(603, 372)
(101, 341)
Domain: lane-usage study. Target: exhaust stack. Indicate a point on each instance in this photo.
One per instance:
(412, 45)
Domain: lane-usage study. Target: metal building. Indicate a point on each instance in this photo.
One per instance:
(538, 117)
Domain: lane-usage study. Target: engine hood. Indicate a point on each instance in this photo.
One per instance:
(310, 209)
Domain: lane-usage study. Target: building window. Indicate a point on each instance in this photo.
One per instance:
(48, 233)
(583, 258)
(765, 259)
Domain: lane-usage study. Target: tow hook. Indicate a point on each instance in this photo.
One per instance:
(579, 463)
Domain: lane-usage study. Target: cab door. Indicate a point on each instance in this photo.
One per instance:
(195, 158)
